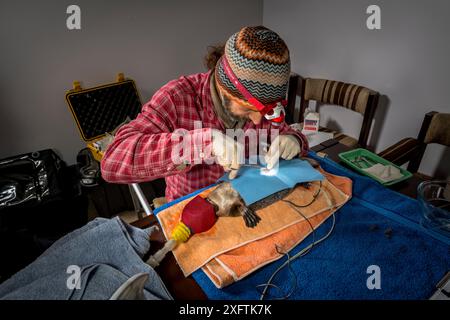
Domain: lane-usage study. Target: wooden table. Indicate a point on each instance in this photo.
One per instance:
(186, 288)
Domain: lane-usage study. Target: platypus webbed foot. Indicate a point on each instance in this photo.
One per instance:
(250, 217)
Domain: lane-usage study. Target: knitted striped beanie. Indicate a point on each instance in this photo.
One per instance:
(260, 60)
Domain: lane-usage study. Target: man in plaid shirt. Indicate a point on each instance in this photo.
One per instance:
(200, 108)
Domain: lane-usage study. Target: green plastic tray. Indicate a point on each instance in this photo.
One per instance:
(350, 157)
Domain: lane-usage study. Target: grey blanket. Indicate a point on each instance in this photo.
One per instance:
(106, 252)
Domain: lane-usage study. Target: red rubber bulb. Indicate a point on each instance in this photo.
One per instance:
(199, 215)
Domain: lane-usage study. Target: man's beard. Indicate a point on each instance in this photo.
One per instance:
(228, 112)
(233, 116)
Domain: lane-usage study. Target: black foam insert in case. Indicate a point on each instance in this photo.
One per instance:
(101, 109)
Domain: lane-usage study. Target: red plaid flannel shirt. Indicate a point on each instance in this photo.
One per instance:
(141, 150)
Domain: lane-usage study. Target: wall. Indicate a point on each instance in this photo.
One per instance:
(407, 61)
(152, 42)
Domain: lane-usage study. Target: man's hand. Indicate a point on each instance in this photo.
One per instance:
(229, 153)
(284, 146)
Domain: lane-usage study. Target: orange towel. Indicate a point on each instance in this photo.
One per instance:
(230, 251)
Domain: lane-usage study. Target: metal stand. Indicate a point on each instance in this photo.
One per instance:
(140, 202)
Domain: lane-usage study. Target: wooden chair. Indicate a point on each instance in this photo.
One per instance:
(347, 95)
(435, 129)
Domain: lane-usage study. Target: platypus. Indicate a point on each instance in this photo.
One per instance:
(228, 203)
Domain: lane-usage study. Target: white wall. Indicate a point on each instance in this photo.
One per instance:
(152, 42)
(407, 61)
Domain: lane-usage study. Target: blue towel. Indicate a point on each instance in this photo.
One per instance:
(411, 261)
(108, 253)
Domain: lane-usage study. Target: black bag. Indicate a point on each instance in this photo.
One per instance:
(40, 201)
(29, 179)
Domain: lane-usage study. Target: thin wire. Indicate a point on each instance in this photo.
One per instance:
(302, 253)
(294, 278)
(308, 204)
(295, 207)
